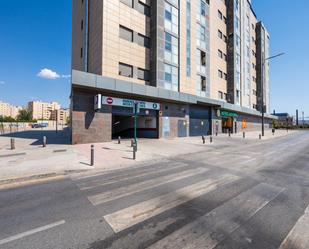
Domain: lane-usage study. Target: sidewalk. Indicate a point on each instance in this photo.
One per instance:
(58, 158)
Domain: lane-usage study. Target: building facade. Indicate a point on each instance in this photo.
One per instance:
(61, 116)
(195, 67)
(42, 110)
(8, 110)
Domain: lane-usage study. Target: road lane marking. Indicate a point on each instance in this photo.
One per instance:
(31, 232)
(298, 237)
(102, 182)
(103, 173)
(141, 186)
(212, 228)
(135, 214)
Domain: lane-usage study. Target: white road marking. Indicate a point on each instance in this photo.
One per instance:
(299, 235)
(102, 182)
(135, 214)
(31, 232)
(141, 186)
(209, 230)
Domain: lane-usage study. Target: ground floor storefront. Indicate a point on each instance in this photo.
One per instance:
(99, 116)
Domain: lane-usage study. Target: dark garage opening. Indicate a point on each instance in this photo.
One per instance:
(123, 123)
(200, 121)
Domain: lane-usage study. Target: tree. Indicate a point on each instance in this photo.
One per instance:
(24, 115)
(6, 119)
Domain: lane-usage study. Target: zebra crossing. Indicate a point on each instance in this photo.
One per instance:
(137, 221)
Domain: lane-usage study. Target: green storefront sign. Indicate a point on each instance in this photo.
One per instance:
(228, 114)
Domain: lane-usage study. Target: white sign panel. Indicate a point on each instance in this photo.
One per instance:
(98, 102)
(129, 103)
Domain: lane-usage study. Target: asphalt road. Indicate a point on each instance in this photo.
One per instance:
(247, 194)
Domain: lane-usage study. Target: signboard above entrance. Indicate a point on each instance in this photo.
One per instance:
(228, 114)
(105, 100)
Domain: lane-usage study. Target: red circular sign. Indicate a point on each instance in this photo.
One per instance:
(109, 100)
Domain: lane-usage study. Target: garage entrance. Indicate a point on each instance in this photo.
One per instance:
(200, 121)
(123, 123)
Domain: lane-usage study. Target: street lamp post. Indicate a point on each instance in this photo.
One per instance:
(262, 88)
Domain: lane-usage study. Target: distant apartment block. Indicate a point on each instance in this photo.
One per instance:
(200, 63)
(61, 115)
(8, 110)
(42, 110)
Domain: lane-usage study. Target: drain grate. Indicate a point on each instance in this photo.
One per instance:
(58, 151)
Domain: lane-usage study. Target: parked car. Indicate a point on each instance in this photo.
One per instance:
(39, 125)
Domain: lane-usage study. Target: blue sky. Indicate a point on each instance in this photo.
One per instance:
(36, 35)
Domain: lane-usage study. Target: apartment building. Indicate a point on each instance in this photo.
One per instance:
(61, 116)
(42, 110)
(8, 110)
(194, 67)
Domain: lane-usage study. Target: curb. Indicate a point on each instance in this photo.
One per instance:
(34, 179)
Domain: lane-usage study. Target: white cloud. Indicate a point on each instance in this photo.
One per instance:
(2, 82)
(48, 74)
(66, 76)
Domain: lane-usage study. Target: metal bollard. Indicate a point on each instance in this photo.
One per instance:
(12, 144)
(260, 136)
(134, 151)
(92, 155)
(210, 139)
(229, 133)
(216, 134)
(132, 143)
(119, 140)
(273, 131)
(244, 134)
(44, 141)
(203, 138)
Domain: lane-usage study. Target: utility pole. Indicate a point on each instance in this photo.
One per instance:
(296, 117)
(262, 87)
(56, 121)
(135, 120)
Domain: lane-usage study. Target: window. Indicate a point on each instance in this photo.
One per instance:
(225, 76)
(125, 70)
(125, 33)
(220, 95)
(143, 74)
(144, 9)
(171, 18)
(220, 74)
(225, 38)
(171, 48)
(225, 57)
(203, 8)
(82, 25)
(81, 52)
(237, 94)
(220, 15)
(143, 41)
(203, 84)
(127, 2)
(188, 38)
(220, 34)
(171, 77)
(220, 54)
